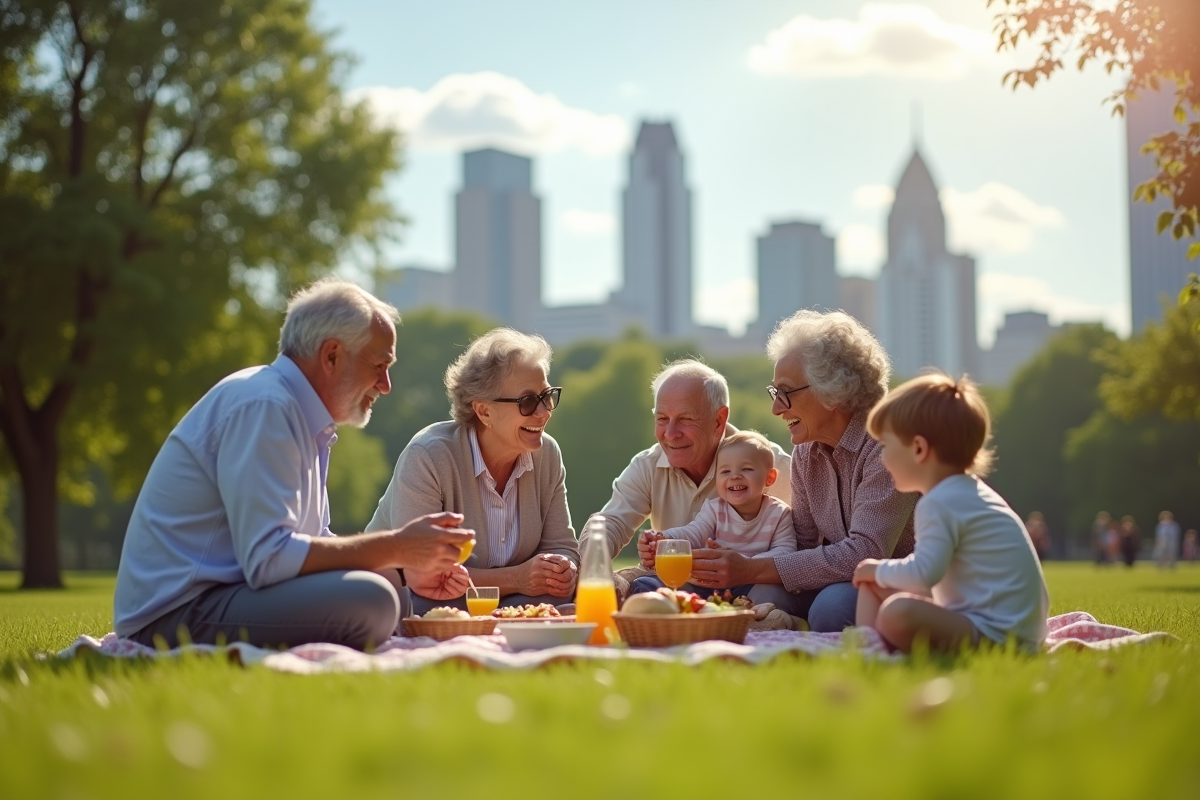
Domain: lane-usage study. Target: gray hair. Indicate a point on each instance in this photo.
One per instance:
(844, 364)
(331, 309)
(478, 373)
(716, 388)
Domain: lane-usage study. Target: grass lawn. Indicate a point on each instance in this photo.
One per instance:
(1125, 724)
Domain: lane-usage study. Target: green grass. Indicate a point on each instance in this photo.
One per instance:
(1071, 725)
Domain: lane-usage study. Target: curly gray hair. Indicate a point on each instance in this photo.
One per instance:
(479, 372)
(844, 364)
(331, 309)
(716, 388)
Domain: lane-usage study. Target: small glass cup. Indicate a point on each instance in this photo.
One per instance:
(673, 561)
(482, 600)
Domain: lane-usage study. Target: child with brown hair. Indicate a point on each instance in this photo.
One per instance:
(973, 573)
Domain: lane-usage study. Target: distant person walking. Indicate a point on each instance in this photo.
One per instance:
(1191, 547)
(1039, 534)
(1166, 540)
(1112, 542)
(1130, 540)
(1100, 537)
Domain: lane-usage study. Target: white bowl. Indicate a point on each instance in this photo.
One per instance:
(536, 636)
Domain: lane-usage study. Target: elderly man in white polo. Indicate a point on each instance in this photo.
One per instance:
(669, 482)
(229, 538)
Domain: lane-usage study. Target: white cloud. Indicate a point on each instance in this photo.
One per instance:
(481, 109)
(898, 40)
(732, 305)
(588, 223)
(873, 196)
(994, 218)
(860, 246)
(1000, 293)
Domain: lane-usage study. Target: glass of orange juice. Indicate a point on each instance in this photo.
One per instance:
(673, 561)
(482, 600)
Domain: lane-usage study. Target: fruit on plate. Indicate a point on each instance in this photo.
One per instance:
(649, 603)
(685, 602)
(445, 612)
(528, 611)
(727, 602)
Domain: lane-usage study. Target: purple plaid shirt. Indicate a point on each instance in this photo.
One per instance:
(845, 508)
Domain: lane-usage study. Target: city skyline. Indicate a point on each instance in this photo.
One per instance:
(1033, 182)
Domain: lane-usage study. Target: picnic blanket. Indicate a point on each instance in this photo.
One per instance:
(1076, 630)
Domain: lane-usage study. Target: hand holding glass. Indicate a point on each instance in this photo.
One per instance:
(673, 561)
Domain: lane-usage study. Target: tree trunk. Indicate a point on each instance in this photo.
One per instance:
(39, 489)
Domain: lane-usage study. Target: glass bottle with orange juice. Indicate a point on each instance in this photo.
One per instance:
(596, 596)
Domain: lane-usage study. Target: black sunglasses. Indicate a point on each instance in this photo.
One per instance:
(527, 403)
(782, 395)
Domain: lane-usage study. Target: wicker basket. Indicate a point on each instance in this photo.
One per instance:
(443, 629)
(665, 630)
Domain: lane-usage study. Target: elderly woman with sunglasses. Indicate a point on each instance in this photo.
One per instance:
(829, 372)
(493, 463)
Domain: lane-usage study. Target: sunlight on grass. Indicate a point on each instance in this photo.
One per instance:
(988, 725)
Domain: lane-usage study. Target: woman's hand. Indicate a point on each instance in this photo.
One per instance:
(647, 547)
(549, 573)
(438, 585)
(864, 573)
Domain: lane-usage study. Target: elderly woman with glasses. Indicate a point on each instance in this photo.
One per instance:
(829, 372)
(494, 463)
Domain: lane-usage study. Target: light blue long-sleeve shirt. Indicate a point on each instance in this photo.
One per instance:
(235, 495)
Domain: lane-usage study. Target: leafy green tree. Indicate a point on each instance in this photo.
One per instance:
(1157, 371)
(169, 171)
(1138, 467)
(1152, 42)
(358, 473)
(1055, 392)
(427, 342)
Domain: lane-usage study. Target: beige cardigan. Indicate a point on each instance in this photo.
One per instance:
(436, 473)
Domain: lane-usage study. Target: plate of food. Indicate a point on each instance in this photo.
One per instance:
(665, 618)
(444, 623)
(542, 612)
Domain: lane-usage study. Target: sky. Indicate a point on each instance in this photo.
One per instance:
(784, 110)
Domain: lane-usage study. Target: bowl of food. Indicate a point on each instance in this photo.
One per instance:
(444, 623)
(532, 635)
(666, 618)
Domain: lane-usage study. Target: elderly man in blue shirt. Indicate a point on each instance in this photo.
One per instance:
(229, 538)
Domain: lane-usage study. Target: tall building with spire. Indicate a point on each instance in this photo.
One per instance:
(657, 235)
(1158, 263)
(498, 239)
(926, 300)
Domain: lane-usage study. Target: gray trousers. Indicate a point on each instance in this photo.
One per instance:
(358, 609)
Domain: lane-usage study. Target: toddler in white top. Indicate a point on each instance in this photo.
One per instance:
(973, 572)
(742, 517)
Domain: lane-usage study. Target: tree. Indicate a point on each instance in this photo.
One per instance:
(426, 343)
(1154, 42)
(1138, 467)
(1051, 395)
(1157, 371)
(358, 473)
(168, 172)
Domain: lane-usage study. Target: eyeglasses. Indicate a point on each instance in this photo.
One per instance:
(527, 403)
(782, 394)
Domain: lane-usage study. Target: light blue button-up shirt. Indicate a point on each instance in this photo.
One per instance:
(235, 495)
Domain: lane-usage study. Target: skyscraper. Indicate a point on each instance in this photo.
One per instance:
(657, 235)
(1158, 263)
(926, 295)
(797, 268)
(498, 238)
